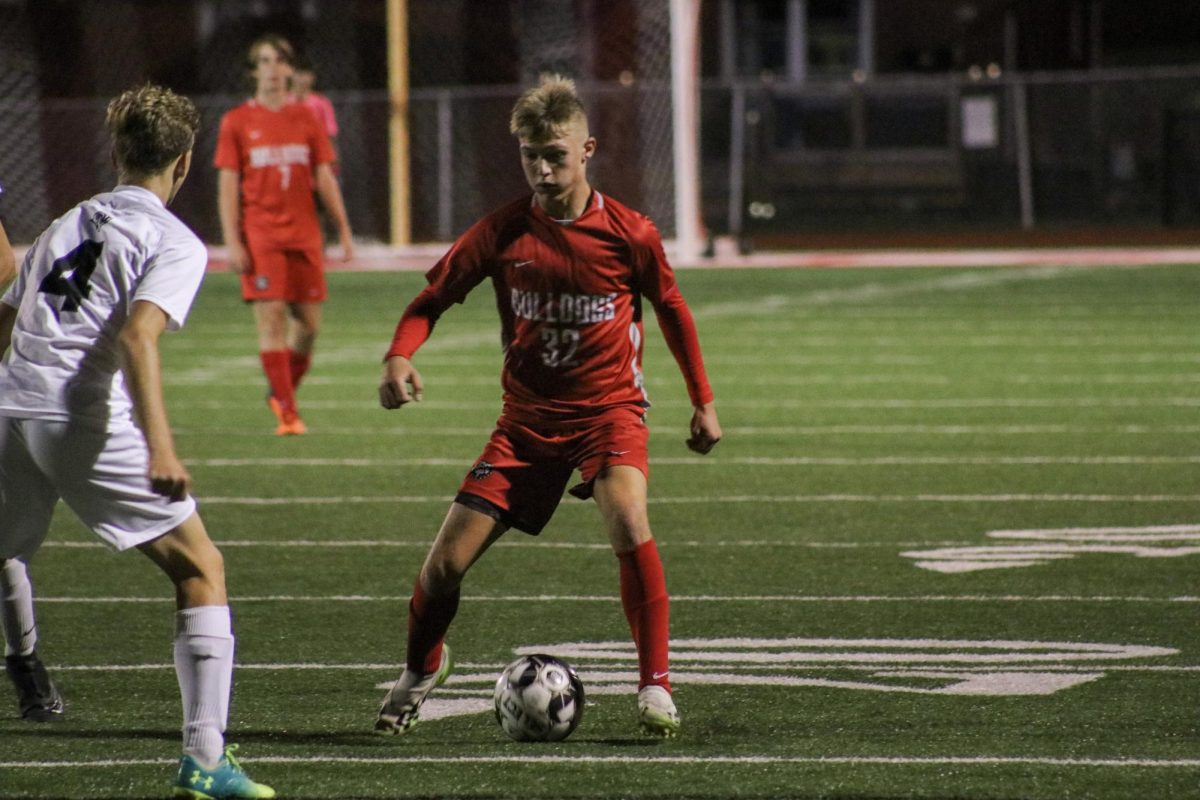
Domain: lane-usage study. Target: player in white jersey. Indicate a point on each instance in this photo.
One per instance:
(82, 416)
(37, 697)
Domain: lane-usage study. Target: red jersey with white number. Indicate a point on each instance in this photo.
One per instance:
(570, 298)
(276, 154)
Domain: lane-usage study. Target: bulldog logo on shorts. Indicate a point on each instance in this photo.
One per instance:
(261, 283)
(481, 470)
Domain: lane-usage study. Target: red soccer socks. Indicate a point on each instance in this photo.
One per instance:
(282, 399)
(428, 620)
(298, 364)
(647, 609)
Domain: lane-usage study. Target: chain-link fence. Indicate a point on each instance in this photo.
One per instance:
(1093, 148)
(1100, 147)
(463, 159)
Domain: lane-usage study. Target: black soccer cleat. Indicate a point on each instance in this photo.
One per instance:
(37, 698)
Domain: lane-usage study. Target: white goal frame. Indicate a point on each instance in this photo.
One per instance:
(685, 123)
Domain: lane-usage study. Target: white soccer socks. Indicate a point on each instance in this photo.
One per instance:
(204, 666)
(16, 609)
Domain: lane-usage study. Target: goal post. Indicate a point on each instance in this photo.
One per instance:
(685, 122)
(399, 142)
(636, 65)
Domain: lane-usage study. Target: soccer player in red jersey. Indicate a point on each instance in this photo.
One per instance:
(271, 153)
(570, 268)
(303, 82)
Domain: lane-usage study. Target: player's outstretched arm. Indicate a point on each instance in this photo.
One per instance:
(143, 375)
(679, 329)
(398, 375)
(705, 429)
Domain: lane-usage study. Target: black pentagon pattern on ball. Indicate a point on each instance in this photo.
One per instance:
(539, 698)
(561, 707)
(529, 674)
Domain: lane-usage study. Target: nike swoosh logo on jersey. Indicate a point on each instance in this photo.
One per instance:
(519, 264)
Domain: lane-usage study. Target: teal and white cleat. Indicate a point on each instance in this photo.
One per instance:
(226, 781)
(656, 712)
(402, 704)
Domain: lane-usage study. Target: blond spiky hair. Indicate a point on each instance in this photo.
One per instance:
(150, 127)
(541, 112)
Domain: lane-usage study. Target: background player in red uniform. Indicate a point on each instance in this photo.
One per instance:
(570, 268)
(270, 155)
(303, 86)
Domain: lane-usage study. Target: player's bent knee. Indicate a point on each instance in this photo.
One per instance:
(191, 561)
(442, 575)
(628, 527)
(210, 564)
(627, 540)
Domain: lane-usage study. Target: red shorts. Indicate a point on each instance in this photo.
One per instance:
(520, 477)
(293, 275)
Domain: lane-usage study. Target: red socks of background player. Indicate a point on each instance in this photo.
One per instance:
(298, 364)
(647, 608)
(428, 620)
(284, 370)
(276, 364)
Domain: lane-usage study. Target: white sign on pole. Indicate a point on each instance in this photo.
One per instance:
(980, 129)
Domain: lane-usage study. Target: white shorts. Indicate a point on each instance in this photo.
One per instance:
(100, 475)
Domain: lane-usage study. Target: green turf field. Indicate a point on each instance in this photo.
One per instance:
(949, 548)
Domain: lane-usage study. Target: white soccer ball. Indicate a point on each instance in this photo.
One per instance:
(539, 698)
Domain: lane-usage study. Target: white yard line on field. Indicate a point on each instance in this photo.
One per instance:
(745, 760)
(368, 405)
(208, 349)
(559, 598)
(1042, 258)
(741, 430)
(217, 375)
(620, 671)
(424, 543)
(875, 291)
(1091, 342)
(717, 461)
(866, 293)
(748, 498)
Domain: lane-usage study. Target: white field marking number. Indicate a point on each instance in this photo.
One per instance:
(965, 668)
(1033, 547)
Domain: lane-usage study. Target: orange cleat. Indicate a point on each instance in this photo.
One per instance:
(290, 423)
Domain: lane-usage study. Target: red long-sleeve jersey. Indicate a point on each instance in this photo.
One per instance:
(570, 301)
